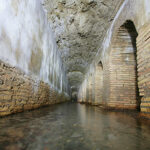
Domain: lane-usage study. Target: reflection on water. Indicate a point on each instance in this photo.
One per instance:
(72, 126)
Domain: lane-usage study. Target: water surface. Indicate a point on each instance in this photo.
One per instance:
(72, 126)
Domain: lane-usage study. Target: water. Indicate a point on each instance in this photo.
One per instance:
(72, 126)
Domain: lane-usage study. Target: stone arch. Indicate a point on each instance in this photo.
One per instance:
(98, 84)
(123, 68)
(143, 59)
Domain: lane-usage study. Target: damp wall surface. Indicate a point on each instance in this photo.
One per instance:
(28, 50)
(139, 13)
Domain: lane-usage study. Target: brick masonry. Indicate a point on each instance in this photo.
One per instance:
(19, 92)
(98, 85)
(126, 74)
(114, 84)
(143, 59)
(122, 70)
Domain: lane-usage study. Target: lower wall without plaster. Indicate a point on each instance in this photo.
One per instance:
(19, 92)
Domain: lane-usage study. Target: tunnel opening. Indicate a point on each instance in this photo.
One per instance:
(74, 97)
(99, 84)
(124, 78)
(129, 25)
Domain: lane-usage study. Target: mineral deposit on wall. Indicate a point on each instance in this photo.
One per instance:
(80, 27)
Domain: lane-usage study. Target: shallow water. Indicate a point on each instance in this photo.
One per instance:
(72, 126)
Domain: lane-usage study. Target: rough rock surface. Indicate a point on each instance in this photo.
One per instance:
(20, 92)
(80, 27)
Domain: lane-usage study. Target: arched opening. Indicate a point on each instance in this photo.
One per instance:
(143, 49)
(99, 84)
(124, 91)
(74, 96)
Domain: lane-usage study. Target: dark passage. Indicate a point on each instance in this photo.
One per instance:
(72, 126)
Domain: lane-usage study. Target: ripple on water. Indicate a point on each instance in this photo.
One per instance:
(72, 126)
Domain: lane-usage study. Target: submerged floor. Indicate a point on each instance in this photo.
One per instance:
(72, 126)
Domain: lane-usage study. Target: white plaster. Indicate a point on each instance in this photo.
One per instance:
(108, 38)
(24, 29)
(147, 8)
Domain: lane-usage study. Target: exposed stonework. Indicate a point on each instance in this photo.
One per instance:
(98, 84)
(123, 91)
(80, 27)
(27, 43)
(19, 92)
(143, 57)
(108, 69)
(125, 59)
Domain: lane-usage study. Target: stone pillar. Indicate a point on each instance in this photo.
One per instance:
(93, 88)
(90, 86)
(122, 68)
(98, 84)
(106, 82)
(143, 58)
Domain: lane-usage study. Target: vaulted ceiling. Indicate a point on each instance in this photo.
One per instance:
(80, 27)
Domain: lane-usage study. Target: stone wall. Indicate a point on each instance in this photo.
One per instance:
(98, 84)
(90, 93)
(143, 57)
(27, 42)
(91, 90)
(19, 92)
(125, 57)
(80, 27)
(122, 68)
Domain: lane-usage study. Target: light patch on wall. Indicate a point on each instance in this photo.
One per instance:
(14, 4)
(108, 37)
(147, 8)
(27, 42)
(36, 60)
